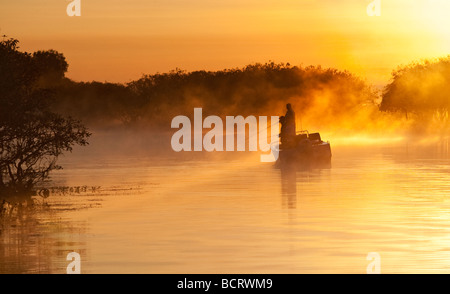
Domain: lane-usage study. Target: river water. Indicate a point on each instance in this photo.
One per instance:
(172, 214)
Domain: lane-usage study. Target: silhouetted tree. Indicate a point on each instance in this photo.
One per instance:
(420, 88)
(31, 136)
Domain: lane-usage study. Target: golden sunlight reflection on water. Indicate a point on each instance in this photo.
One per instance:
(242, 216)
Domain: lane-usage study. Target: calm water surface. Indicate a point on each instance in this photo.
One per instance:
(143, 214)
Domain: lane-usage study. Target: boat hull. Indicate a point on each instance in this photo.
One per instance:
(305, 154)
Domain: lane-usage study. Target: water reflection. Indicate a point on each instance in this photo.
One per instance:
(30, 240)
(238, 216)
(289, 187)
(294, 173)
(37, 233)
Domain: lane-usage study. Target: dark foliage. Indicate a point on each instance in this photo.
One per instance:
(31, 136)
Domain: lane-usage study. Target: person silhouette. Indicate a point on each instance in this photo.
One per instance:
(288, 132)
(289, 120)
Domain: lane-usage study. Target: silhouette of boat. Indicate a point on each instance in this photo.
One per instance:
(304, 150)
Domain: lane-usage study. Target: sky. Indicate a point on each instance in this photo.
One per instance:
(119, 41)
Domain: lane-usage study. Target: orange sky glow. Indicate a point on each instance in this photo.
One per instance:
(118, 41)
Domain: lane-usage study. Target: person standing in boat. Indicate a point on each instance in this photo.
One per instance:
(287, 121)
(289, 118)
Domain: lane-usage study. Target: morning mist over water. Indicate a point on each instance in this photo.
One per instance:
(112, 162)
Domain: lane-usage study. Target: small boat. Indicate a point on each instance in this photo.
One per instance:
(304, 150)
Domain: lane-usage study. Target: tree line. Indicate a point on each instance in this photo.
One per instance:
(43, 113)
